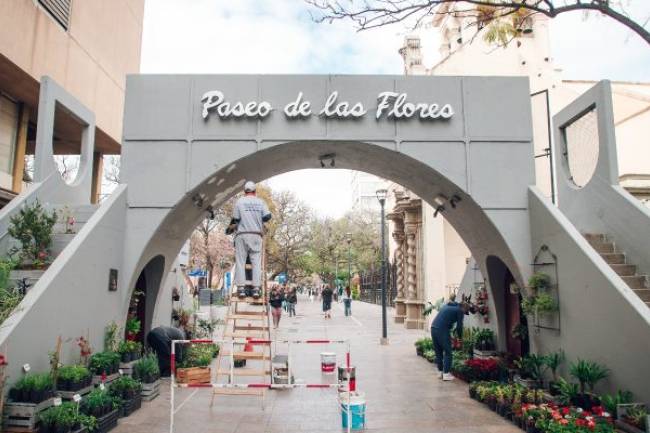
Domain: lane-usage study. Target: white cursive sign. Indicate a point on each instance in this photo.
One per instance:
(390, 105)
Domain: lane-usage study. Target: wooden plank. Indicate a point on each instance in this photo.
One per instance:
(252, 317)
(250, 328)
(244, 372)
(242, 334)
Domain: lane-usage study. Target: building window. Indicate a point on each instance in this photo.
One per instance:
(59, 10)
(9, 112)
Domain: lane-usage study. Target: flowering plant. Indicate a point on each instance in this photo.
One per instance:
(551, 418)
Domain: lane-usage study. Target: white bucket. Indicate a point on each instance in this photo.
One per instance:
(328, 362)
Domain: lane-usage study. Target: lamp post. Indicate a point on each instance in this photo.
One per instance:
(381, 196)
(349, 240)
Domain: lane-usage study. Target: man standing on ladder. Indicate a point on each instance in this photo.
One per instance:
(249, 215)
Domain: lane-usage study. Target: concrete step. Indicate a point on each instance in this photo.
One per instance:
(644, 294)
(603, 247)
(636, 282)
(595, 237)
(60, 241)
(614, 258)
(624, 270)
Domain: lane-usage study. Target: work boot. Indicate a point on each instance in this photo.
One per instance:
(241, 292)
(256, 293)
(447, 377)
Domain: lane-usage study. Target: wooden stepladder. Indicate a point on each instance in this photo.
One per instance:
(247, 321)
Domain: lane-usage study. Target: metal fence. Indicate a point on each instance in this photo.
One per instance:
(370, 290)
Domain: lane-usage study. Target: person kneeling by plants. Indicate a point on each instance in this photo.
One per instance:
(449, 315)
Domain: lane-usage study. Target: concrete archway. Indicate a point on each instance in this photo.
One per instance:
(176, 151)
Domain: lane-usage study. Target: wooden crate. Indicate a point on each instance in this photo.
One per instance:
(150, 390)
(23, 417)
(193, 375)
(69, 395)
(127, 367)
(98, 379)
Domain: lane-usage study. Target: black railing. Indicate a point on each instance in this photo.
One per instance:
(370, 290)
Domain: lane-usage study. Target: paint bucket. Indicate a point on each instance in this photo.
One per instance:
(357, 410)
(328, 362)
(343, 378)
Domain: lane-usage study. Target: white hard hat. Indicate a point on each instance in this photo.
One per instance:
(249, 186)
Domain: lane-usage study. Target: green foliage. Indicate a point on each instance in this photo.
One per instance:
(553, 362)
(199, 355)
(637, 415)
(429, 355)
(610, 402)
(132, 326)
(111, 339)
(73, 373)
(146, 369)
(567, 392)
(97, 400)
(539, 281)
(130, 347)
(35, 382)
(541, 303)
(32, 227)
(9, 300)
(588, 373)
(65, 417)
(104, 362)
(424, 344)
(124, 388)
(532, 367)
(520, 332)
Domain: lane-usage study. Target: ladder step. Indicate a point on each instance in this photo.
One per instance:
(251, 328)
(244, 372)
(250, 317)
(249, 355)
(239, 391)
(243, 334)
(248, 300)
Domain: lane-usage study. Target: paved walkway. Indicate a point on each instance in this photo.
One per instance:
(403, 395)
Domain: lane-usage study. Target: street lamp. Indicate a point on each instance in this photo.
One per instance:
(349, 239)
(381, 196)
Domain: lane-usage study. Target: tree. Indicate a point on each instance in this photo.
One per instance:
(211, 249)
(290, 233)
(497, 15)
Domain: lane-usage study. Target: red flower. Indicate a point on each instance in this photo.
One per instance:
(565, 410)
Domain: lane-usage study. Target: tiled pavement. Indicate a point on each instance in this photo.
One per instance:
(403, 395)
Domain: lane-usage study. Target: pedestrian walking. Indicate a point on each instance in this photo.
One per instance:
(292, 300)
(449, 315)
(275, 299)
(347, 301)
(326, 295)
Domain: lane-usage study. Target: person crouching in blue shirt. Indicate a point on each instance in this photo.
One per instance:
(450, 314)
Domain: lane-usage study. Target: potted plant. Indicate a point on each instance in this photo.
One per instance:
(539, 281)
(588, 374)
(633, 418)
(103, 407)
(194, 367)
(531, 370)
(553, 362)
(128, 393)
(132, 328)
(519, 332)
(32, 388)
(104, 363)
(64, 419)
(130, 350)
(147, 371)
(611, 402)
(32, 228)
(73, 378)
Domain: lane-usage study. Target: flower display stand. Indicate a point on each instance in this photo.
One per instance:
(150, 390)
(97, 379)
(69, 395)
(23, 417)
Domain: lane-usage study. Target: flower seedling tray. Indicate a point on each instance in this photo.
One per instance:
(150, 390)
(131, 406)
(23, 417)
(69, 395)
(98, 379)
(108, 422)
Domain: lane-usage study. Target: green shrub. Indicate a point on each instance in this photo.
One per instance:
(32, 227)
(199, 355)
(104, 362)
(146, 369)
(588, 373)
(124, 388)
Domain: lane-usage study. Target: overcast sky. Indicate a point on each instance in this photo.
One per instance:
(278, 36)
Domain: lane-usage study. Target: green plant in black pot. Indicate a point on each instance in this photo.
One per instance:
(611, 402)
(484, 339)
(130, 350)
(588, 374)
(98, 403)
(539, 281)
(33, 388)
(63, 419)
(72, 378)
(104, 363)
(125, 388)
(531, 367)
(553, 362)
(146, 370)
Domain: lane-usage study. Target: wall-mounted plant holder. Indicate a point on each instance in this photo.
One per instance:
(545, 262)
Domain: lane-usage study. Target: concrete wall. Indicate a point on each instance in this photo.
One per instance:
(601, 318)
(72, 298)
(91, 59)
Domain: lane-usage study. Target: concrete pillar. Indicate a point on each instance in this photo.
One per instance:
(19, 154)
(98, 175)
(414, 302)
(398, 236)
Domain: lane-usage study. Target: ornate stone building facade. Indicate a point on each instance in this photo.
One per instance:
(406, 217)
